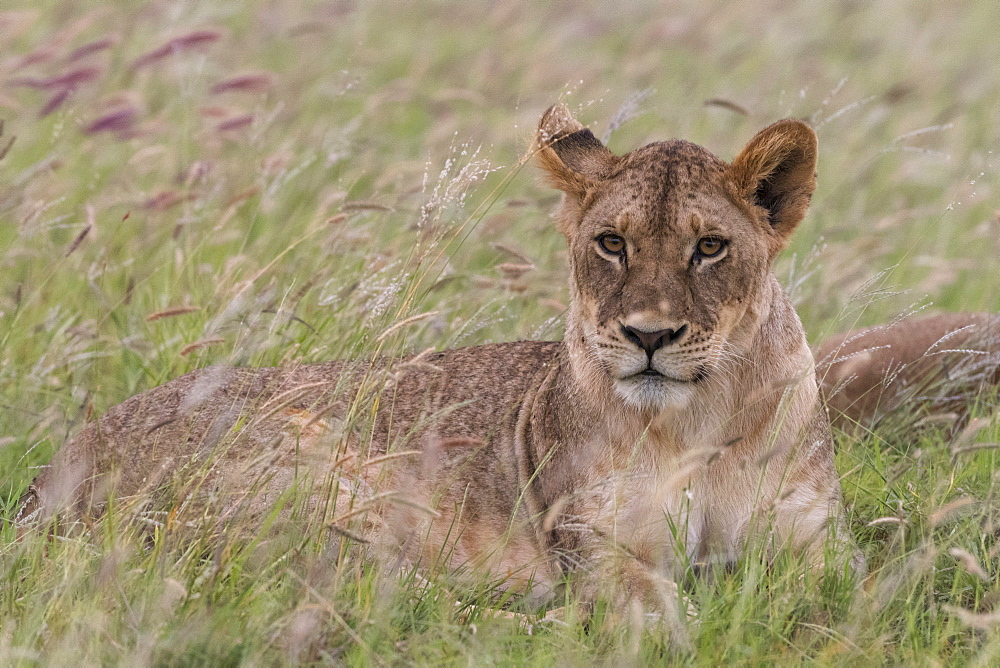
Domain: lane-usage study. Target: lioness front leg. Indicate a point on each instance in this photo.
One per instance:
(810, 518)
(630, 575)
(633, 590)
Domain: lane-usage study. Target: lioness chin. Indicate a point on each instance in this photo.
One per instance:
(678, 420)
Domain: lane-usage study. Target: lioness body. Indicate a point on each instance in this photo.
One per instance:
(682, 401)
(919, 367)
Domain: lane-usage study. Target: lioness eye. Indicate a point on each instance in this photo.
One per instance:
(612, 243)
(710, 246)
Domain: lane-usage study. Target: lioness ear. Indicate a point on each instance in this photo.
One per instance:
(572, 157)
(777, 172)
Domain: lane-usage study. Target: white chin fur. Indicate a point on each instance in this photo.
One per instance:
(646, 393)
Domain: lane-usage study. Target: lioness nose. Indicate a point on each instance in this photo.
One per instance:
(653, 341)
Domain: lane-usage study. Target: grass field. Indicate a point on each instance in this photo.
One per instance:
(263, 183)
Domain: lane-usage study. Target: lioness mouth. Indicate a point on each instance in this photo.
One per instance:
(650, 372)
(653, 373)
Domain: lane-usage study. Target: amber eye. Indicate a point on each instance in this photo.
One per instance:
(710, 246)
(612, 243)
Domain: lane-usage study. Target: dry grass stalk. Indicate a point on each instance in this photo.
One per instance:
(90, 48)
(197, 39)
(245, 83)
(172, 312)
(120, 120)
(78, 240)
(204, 343)
(235, 123)
(404, 323)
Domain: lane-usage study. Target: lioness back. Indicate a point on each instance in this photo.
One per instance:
(273, 422)
(935, 366)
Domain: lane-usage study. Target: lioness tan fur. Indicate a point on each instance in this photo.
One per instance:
(682, 402)
(921, 367)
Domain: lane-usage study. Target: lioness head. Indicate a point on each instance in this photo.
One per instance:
(671, 248)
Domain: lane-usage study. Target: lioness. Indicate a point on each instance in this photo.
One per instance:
(678, 419)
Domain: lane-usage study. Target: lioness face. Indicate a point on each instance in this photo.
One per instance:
(664, 267)
(671, 250)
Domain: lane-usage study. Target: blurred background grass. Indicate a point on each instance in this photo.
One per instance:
(265, 183)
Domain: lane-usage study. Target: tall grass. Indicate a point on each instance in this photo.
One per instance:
(202, 183)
